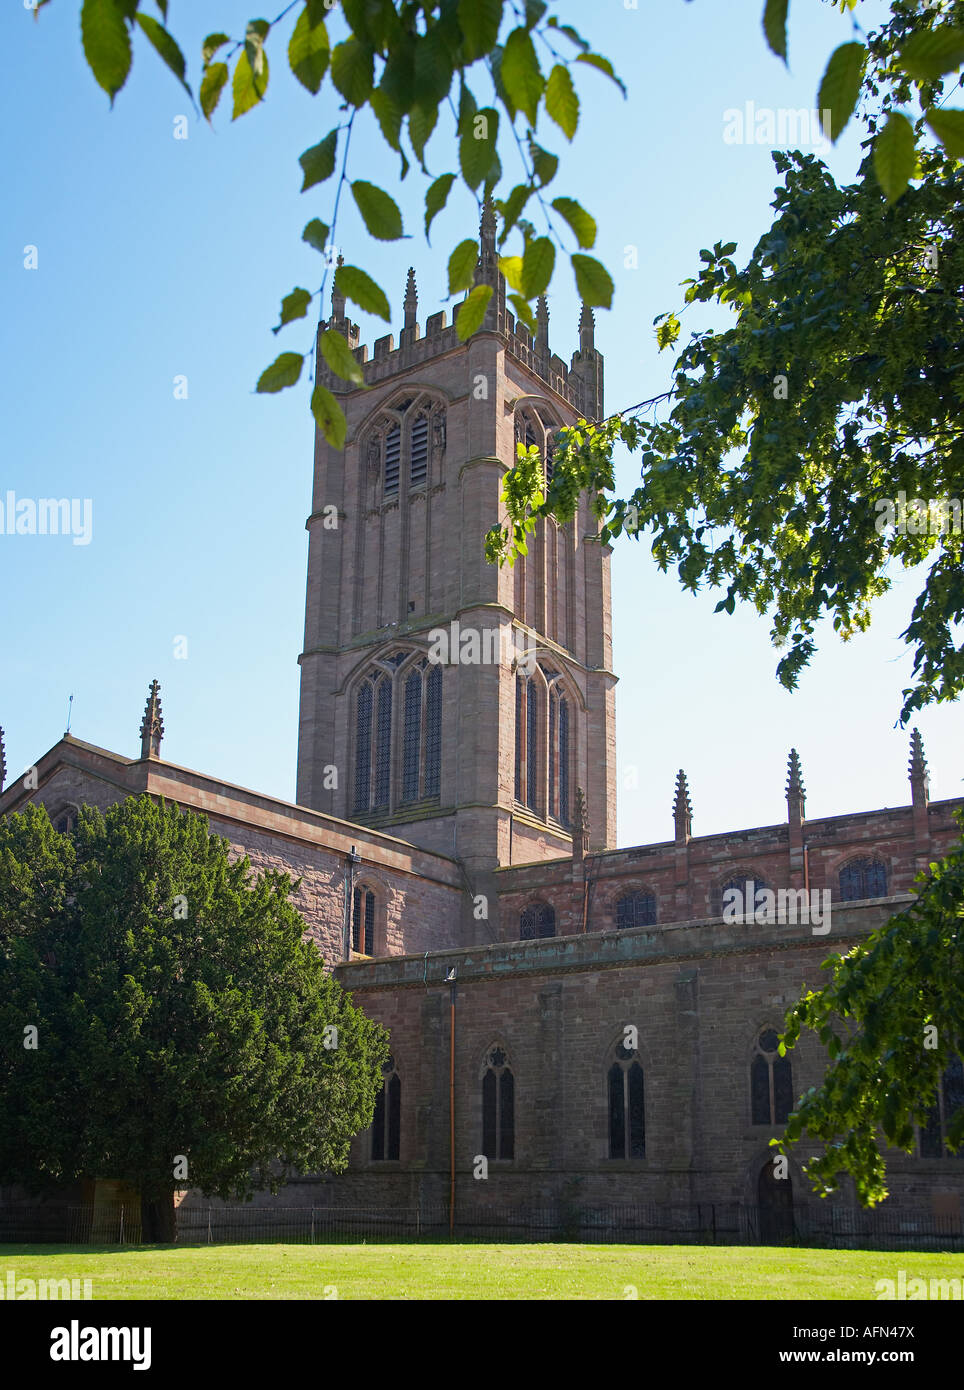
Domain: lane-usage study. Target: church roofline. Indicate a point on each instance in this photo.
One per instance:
(156, 774)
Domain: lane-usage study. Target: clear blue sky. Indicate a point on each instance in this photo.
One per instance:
(160, 257)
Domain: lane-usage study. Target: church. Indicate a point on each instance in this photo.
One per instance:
(575, 1027)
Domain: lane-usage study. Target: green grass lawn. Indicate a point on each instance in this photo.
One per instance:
(412, 1271)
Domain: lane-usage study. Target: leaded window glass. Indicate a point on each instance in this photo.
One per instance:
(771, 1082)
(627, 1111)
(636, 910)
(863, 878)
(536, 921)
(363, 747)
(411, 737)
(498, 1107)
(363, 922)
(383, 749)
(433, 732)
(386, 1122)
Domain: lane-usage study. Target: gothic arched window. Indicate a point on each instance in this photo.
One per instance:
(536, 921)
(543, 745)
(949, 1101)
(748, 887)
(363, 922)
(863, 878)
(636, 910)
(386, 719)
(405, 439)
(387, 1120)
(498, 1106)
(627, 1117)
(771, 1082)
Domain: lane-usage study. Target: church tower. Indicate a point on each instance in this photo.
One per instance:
(447, 701)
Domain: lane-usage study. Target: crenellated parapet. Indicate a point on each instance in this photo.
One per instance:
(579, 383)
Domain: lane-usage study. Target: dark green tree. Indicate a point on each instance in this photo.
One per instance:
(188, 1035)
(892, 1019)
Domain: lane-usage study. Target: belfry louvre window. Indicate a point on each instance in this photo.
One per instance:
(387, 1120)
(948, 1103)
(771, 1082)
(863, 878)
(498, 1106)
(627, 1116)
(363, 922)
(393, 454)
(404, 441)
(419, 463)
(398, 735)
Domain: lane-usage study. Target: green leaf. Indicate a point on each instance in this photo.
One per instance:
(379, 210)
(841, 84)
(511, 267)
(543, 163)
(353, 70)
(107, 44)
(308, 53)
(212, 84)
(436, 198)
(667, 332)
(593, 282)
(339, 357)
(479, 21)
(329, 416)
(433, 68)
(948, 126)
(579, 220)
(521, 75)
(166, 47)
(254, 37)
(316, 234)
(462, 263)
(929, 55)
(389, 115)
(247, 86)
(477, 145)
(513, 208)
(318, 163)
(284, 371)
(355, 285)
(293, 306)
(596, 60)
(421, 123)
(535, 9)
(524, 312)
(571, 34)
(495, 67)
(211, 45)
(562, 103)
(895, 155)
(537, 267)
(471, 311)
(775, 26)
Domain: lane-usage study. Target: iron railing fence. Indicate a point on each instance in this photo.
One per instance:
(642, 1224)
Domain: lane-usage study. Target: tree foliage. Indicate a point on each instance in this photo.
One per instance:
(178, 1009)
(788, 439)
(892, 1020)
(412, 64)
